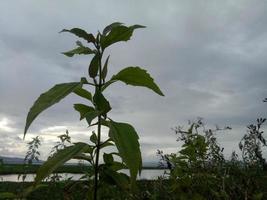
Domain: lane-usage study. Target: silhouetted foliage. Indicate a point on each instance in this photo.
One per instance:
(200, 171)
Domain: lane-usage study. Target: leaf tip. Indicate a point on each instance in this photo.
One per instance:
(161, 94)
(138, 26)
(84, 80)
(63, 30)
(25, 131)
(67, 54)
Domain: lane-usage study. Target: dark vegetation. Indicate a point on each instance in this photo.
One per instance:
(28, 169)
(77, 190)
(146, 190)
(200, 171)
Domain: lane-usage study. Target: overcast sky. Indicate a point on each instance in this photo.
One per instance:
(208, 57)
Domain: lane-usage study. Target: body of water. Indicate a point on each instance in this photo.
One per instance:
(147, 174)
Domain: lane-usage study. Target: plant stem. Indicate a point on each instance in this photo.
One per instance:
(98, 131)
(97, 157)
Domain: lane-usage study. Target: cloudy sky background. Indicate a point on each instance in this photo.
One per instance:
(208, 57)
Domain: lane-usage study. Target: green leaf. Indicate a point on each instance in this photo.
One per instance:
(93, 138)
(106, 144)
(79, 50)
(110, 27)
(7, 195)
(59, 159)
(81, 33)
(137, 77)
(83, 109)
(83, 93)
(83, 157)
(126, 141)
(94, 66)
(118, 33)
(108, 158)
(116, 166)
(105, 69)
(49, 98)
(120, 179)
(87, 112)
(101, 102)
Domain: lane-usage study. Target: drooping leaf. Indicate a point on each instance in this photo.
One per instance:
(105, 69)
(83, 109)
(101, 102)
(60, 158)
(87, 112)
(126, 141)
(104, 122)
(83, 157)
(91, 116)
(108, 158)
(49, 98)
(137, 77)
(79, 50)
(120, 179)
(83, 93)
(106, 144)
(93, 138)
(109, 27)
(94, 66)
(117, 34)
(116, 166)
(81, 33)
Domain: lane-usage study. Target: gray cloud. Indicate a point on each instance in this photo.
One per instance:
(207, 56)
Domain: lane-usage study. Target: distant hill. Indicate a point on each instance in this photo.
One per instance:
(150, 165)
(15, 160)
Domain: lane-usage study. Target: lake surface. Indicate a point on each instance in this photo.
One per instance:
(147, 174)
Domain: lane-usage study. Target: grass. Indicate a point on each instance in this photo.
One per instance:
(159, 189)
(74, 190)
(78, 190)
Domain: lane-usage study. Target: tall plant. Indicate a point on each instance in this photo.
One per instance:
(121, 135)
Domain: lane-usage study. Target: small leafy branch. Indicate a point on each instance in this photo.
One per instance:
(200, 171)
(64, 140)
(198, 167)
(251, 144)
(200, 146)
(32, 155)
(121, 135)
